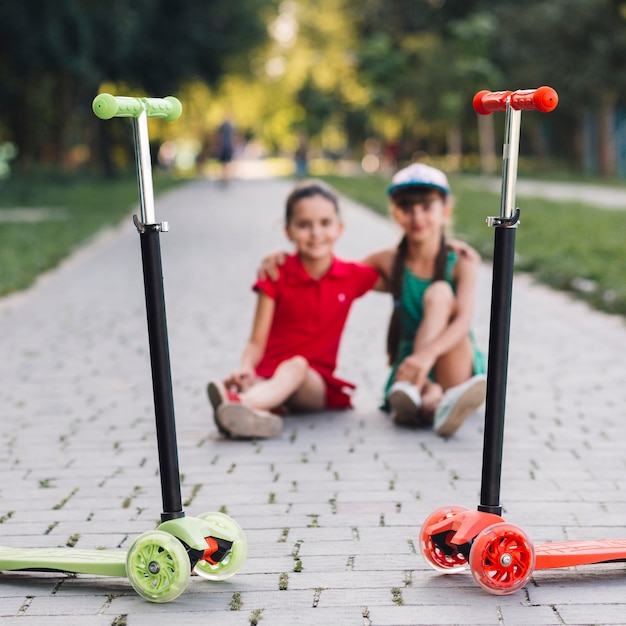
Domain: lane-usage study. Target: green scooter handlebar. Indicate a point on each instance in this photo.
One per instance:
(106, 106)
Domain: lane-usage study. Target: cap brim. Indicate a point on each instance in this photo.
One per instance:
(393, 188)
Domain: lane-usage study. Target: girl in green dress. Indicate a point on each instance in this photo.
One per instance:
(438, 374)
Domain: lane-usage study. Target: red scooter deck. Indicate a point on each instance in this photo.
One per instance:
(570, 553)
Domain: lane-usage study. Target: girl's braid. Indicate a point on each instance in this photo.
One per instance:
(441, 260)
(395, 286)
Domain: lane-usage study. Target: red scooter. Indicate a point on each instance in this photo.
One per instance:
(500, 555)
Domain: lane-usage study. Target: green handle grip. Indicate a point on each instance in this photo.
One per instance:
(106, 106)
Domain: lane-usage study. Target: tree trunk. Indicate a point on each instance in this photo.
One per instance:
(607, 156)
(487, 144)
(64, 90)
(454, 148)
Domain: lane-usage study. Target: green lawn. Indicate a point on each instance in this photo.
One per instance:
(44, 219)
(568, 246)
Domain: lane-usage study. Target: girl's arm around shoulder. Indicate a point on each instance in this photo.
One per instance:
(270, 265)
(464, 249)
(382, 262)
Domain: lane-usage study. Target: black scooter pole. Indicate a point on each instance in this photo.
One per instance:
(499, 331)
(161, 374)
(149, 232)
(500, 324)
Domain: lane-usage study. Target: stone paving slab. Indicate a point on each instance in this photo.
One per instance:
(332, 509)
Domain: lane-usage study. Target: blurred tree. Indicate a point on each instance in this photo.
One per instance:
(423, 60)
(304, 81)
(338, 70)
(53, 57)
(321, 72)
(579, 48)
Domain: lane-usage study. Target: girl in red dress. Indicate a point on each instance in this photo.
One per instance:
(290, 358)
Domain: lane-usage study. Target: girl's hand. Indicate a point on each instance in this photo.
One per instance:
(464, 250)
(241, 379)
(270, 265)
(415, 369)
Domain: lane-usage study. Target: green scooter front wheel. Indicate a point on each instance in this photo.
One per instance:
(157, 566)
(233, 561)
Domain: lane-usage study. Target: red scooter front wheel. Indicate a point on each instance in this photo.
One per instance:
(443, 559)
(502, 559)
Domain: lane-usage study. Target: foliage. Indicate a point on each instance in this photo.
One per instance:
(423, 63)
(304, 82)
(336, 71)
(53, 57)
(578, 46)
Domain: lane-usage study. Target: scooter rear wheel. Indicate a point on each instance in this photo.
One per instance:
(438, 559)
(233, 561)
(157, 566)
(502, 559)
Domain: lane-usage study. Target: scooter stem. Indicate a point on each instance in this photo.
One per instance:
(161, 374)
(149, 231)
(144, 168)
(500, 324)
(510, 156)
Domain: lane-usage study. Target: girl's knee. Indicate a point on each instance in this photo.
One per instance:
(439, 294)
(296, 367)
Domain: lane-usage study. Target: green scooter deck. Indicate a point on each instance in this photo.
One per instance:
(69, 560)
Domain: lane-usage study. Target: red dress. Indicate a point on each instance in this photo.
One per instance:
(309, 317)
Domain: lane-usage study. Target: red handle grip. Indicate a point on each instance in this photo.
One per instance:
(542, 99)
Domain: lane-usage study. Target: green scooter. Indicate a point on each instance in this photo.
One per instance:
(159, 562)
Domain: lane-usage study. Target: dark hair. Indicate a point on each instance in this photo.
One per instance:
(404, 199)
(308, 189)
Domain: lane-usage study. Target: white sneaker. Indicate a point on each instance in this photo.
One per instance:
(405, 402)
(458, 403)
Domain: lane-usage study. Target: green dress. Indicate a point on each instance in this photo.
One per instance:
(412, 312)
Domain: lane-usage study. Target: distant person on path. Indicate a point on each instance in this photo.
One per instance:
(301, 156)
(226, 148)
(438, 374)
(290, 358)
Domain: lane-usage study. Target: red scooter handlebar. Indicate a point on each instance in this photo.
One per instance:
(542, 99)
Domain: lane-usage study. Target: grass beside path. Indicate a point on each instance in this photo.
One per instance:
(43, 220)
(569, 246)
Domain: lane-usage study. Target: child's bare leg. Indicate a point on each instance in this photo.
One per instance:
(456, 366)
(292, 376)
(431, 397)
(310, 395)
(439, 305)
(407, 403)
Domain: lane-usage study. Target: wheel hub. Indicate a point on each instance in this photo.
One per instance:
(506, 560)
(154, 567)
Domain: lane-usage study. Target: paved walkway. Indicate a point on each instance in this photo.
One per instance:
(332, 509)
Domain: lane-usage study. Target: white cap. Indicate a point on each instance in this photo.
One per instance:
(420, 175)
